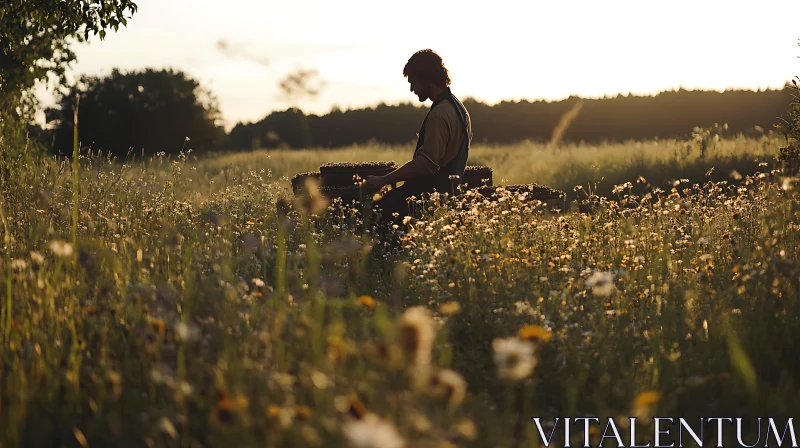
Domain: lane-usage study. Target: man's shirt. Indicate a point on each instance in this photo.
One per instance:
(443, 137)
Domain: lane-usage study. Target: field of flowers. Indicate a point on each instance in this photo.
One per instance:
(173, 303)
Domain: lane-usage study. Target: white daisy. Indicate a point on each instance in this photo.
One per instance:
(602, 283)
(372, 432)
(515, 359)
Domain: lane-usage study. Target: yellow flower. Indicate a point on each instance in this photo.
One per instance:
(535, 333)
(643, 405)
(227, 405)
(367, 301)
(303, 412)
(285, 416)
(450, 308)
(166, 425)
(466, 429)
(158, 326)
(648, 398)
(337, 348)
(421, 424)
(273, 411)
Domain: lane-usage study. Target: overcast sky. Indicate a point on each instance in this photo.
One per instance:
(496, 50)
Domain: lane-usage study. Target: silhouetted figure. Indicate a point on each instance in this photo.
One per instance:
(442, 145)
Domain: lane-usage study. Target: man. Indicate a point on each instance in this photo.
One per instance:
(442, 146)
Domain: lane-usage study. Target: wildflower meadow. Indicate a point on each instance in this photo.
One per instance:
(175, 303)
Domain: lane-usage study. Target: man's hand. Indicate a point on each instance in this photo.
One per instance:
(374, 183)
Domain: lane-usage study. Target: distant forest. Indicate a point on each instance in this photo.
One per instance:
(672, 114)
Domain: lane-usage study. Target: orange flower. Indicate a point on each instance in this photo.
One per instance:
(158, 326)
(450, 308)
(648, 398)
(357, 409)
(273, 411)
(535, 333)
(227, 405)
(367, 301)
(303, 412)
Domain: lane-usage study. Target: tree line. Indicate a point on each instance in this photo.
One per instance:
(142, 113)
(671, 114)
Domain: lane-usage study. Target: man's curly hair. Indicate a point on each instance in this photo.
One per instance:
(427, 66)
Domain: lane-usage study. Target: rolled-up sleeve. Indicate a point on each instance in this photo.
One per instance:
(434, 146)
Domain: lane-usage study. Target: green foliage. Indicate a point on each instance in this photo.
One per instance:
(20, 143)
(35, 36)
(150, 111)
(790, 154)
(70, 16)
(286, 128)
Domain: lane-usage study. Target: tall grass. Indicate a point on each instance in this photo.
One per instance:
(188, 312)
(603, 166)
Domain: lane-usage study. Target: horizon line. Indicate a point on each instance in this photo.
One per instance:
(470, 98)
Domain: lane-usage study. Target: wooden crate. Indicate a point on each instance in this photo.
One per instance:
(344, 174)
(477, 176)
(554, 199)
(299, 181)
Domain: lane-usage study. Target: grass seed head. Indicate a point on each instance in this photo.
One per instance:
(416, 335)
(449, 386)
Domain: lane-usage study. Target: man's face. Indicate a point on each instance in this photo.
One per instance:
(419, 88)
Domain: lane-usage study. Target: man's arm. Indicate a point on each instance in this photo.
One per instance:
(435, 143)
(412, 169)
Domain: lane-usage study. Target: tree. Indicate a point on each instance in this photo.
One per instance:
(150, 111)
(34, 40)
(285, 128)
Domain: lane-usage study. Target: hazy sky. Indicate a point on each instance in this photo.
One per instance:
(495, 50)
